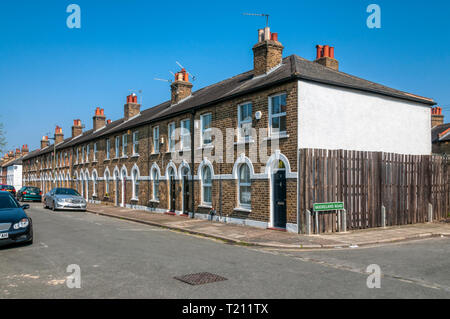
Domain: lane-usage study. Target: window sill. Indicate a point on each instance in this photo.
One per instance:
(205, 206)
(106, 159)
(276, 137)
(123, 157)
(249, 141)
(135, 155)
(242, 209)
(134, 199)
(115, 158)
(156, 153)
(154, 201)
(208, 146)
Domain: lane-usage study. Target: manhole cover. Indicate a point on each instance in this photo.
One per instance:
(200, 278)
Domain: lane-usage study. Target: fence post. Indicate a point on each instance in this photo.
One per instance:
(339, 221)
(383, 216)
(344, 220)
(317, 222)
(430, 213)
(308, 222)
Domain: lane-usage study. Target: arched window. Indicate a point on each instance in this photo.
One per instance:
(107, 177)
(155, 178)
(245, 187)
(134, 175)
(206, 186)
(94, 183)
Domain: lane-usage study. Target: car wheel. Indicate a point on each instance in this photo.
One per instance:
(53, 207)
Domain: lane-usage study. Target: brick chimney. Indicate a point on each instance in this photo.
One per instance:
(44, 142)
(99, 119)
(267, 53)
(59, 136)
(181, 88)
(77, 128)
(25, 150)
(18, 153)
(436, 116)
(325, 56)
(132, 108)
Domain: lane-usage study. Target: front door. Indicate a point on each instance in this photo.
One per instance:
(172, 193)
(279, 199)
(185, 194)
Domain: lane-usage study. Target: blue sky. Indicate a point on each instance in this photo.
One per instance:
(50, 74)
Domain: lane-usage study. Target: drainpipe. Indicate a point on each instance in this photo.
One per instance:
(192, 162)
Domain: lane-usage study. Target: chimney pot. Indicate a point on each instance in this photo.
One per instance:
(181, 88)
(332, 52)
(436, 116)
(326, 51)
(274, 36)
(325, 57)
(266, 33)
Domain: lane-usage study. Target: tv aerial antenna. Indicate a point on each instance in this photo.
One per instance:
(192, 75)
(164, 80)
(259, 15)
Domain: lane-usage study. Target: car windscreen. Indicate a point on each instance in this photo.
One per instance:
(32, 189)
(66, 191)
(7, 201)
(9, 187)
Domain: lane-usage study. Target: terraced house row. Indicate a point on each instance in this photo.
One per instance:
(290, 103)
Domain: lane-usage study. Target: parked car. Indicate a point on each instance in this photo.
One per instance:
(64, 198)
(29, 193)
(15, 225)
(8, 188)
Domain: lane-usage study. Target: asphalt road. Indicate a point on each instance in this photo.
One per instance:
(121, 259)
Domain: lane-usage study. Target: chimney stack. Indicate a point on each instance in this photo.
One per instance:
(25, 150)
(267, 53)
(44, 142)
(181, 88)
(99, 119)
(325, 57)
(131, 108)
(436, 116)
(18, 153)
(77, 128)
(108, 121)
(59, 136)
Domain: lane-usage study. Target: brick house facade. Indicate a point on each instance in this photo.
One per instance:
(134, 162)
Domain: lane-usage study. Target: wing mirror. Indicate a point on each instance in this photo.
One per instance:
(26, 206)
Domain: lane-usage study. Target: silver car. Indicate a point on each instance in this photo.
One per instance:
(64, 198)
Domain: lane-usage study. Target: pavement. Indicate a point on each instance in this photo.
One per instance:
(123, 259)
(246, 235)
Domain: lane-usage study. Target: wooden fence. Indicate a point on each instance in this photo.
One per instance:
(366, 181)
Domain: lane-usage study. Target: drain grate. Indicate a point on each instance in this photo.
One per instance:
(200, 278)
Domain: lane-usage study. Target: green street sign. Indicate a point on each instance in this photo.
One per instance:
(322, 207)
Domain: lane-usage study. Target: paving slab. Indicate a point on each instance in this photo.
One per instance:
(247, 235)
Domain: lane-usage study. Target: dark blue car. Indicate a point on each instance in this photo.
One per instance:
(15, 225)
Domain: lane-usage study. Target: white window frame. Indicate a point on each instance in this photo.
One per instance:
(185, 133)
(83, 149)
(156, 140)
(134, 178)
(155, 180)
(78, 155)
(241, 121)
(88, 149)
(271, 116)
(135, 143)
(95, 152)
(242, 184)
(202, 131)
(108, 147)
(94, 183)
(107, 177)
(171, 137)
(117, 147)
(124, 144)
(204, 202)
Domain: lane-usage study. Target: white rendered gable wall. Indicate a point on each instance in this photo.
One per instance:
(331, 117)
